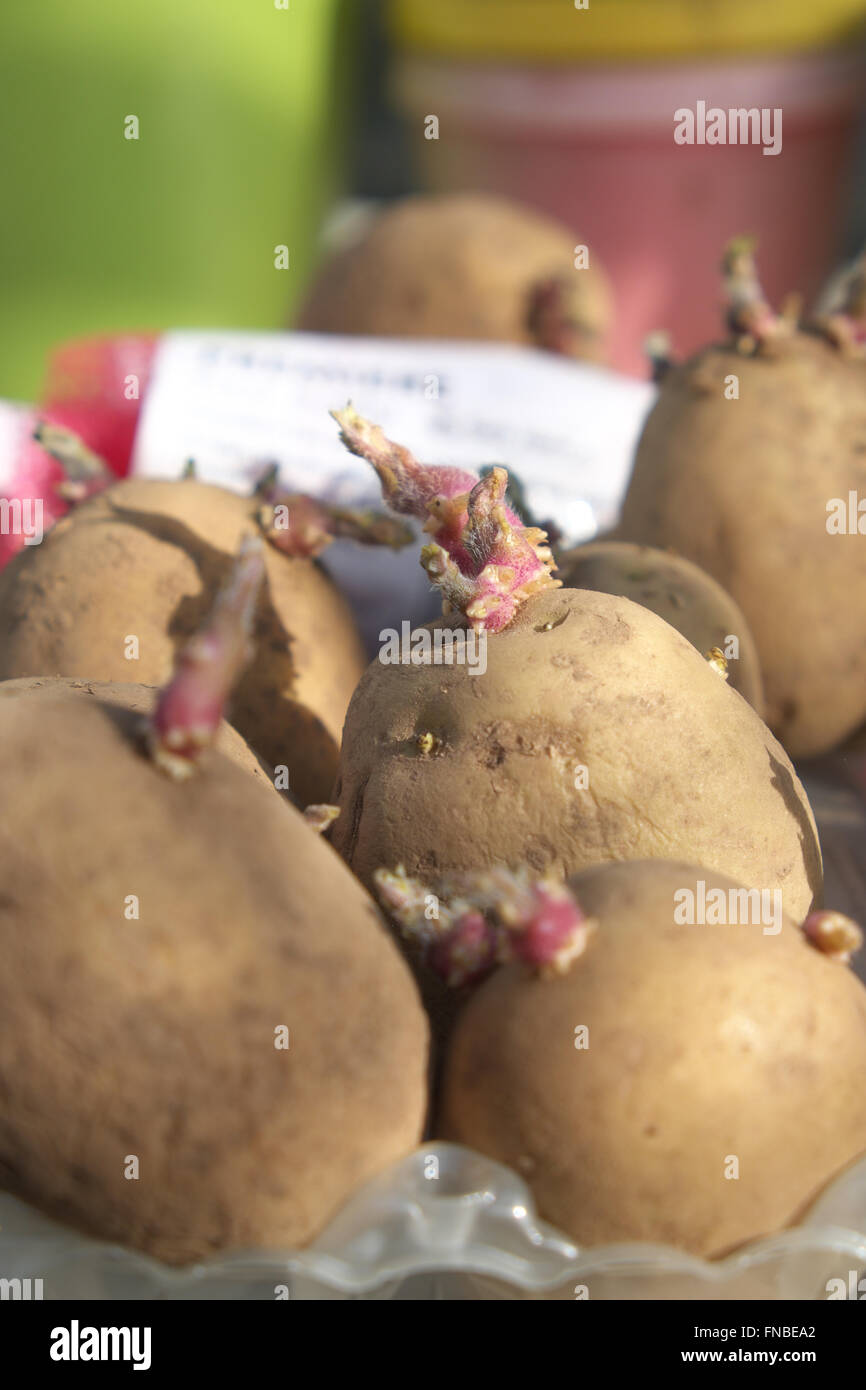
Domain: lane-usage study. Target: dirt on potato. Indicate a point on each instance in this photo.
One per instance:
(596, 733)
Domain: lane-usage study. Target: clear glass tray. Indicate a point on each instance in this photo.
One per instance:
(447, 1223)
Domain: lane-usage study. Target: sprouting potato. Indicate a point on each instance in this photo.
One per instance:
(693, 1084)
(120, 583)
(208, 1039)
(464, 266)
(595, 731)
(756, 488)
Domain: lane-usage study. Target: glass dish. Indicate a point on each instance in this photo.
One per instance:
(447, 1223)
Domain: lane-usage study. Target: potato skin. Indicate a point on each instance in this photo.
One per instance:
(678, 591)
(145, 559)
(679, 765)
(461, 266)
(704, 1042)
(155, 1037)
(741, 488)
(140, 700)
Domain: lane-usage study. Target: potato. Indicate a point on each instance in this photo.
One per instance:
(143, 560)
(741, 487)
(140, 700)
(596, 733)
(463, 266)
(677, 591)
(717, 1089)
(156, 936)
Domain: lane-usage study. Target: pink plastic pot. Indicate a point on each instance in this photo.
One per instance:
(595, 146)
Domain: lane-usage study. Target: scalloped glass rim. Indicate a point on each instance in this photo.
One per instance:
(470, 1232)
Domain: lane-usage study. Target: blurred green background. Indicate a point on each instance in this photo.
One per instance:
(241, 107)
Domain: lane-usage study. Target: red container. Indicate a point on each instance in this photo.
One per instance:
(595, 146)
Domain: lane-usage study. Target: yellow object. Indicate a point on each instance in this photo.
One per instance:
(622, 30)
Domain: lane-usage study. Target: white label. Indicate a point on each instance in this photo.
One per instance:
(237, 402)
